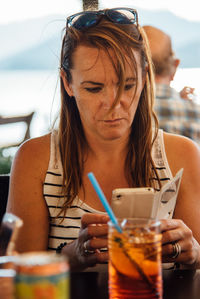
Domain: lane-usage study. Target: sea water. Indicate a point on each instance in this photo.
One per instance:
(22, 92)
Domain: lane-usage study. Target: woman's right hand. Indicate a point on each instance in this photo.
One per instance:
(85, 250)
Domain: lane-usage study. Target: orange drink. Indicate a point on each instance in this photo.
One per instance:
(135, 260)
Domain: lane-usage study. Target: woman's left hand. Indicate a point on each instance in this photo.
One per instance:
(178, 243)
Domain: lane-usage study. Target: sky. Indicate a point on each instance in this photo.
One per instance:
(19, 10)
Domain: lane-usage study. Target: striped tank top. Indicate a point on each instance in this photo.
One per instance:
(68, 229)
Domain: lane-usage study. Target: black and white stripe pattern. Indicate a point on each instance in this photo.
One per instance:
(66, 229)
(62, 228)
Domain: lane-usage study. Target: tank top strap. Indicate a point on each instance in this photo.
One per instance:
(55, 157)
(159, 155)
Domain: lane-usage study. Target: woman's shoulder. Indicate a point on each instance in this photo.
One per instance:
(181, 151)
(34, 153)
(38, 145)
(179, 142)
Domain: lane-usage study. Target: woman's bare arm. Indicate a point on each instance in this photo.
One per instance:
(184, 153)
(183, 229)
(26, 194)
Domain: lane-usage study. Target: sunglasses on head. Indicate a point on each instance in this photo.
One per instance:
(87, 19)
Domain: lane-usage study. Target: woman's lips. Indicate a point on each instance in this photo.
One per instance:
(113, 120)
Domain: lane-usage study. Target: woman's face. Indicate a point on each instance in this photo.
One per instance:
(94, 86)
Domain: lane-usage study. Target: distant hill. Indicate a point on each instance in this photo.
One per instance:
(191, 54)
(185, 34)
(181, 30)
(42, 56)
(18, 36)
(35, 44)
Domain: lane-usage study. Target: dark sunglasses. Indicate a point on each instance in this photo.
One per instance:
(87, 19)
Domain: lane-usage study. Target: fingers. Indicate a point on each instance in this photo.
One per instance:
(85, 250)
(167, 249)
(102, 257)
(79, 259)
(95, 244)
(90, 218)
(93, 232)
(176, 235)
(90, 258)
(168, 224)
(96, 258)
(187, 92)
(94, 226)
(187, 256)
(98, 230)
(176, 232)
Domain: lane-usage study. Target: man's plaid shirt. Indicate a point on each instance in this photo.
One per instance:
(176, 115)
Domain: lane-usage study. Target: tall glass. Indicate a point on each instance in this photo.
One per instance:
(135, 259)
(41, 275)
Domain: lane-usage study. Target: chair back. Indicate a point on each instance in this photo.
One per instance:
(18, 119)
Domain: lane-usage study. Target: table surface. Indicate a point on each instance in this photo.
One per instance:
(177, 284)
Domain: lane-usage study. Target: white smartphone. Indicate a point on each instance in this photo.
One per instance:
(133, 202)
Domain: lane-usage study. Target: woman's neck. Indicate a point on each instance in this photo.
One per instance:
(108, 149)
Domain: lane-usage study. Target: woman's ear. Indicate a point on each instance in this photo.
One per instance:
(67, 86)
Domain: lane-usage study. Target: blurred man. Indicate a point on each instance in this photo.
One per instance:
(175, 114)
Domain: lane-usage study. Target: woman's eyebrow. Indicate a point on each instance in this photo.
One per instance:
(130, 79)
(101, 84)
(92, 82)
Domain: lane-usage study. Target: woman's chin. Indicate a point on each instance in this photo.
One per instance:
(114, 135)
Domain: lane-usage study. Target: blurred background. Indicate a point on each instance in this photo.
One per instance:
(30, 38)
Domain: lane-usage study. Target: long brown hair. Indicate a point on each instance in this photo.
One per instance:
(121, 40)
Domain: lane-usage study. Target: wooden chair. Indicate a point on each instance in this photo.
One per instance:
(15, 119)
(4, 187)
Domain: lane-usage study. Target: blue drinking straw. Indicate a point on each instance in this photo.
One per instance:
(104, 201)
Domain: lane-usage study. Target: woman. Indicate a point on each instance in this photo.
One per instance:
(107, 126)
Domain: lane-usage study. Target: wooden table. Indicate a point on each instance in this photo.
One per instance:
(177, 284)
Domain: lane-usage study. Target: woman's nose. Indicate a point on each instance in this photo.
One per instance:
(110, 98)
